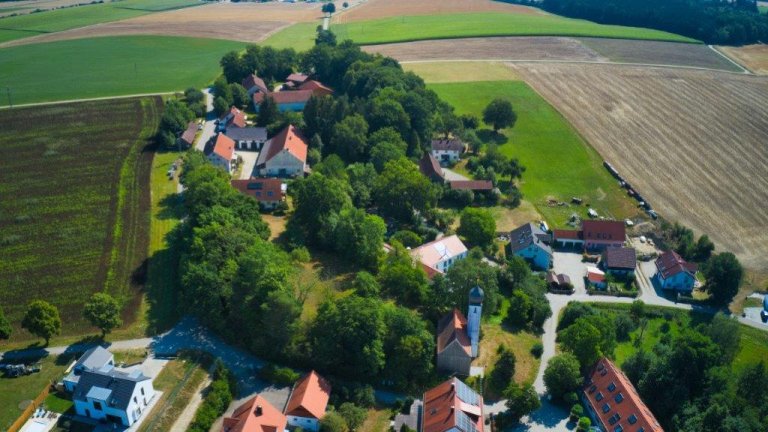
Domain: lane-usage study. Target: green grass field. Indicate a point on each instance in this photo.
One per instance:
(300, 36)
(13, 391)
(78, 222)
(24, 26)
(109, 66)
(559, 164)
(411, 28)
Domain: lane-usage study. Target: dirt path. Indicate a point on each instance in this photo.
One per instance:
(185, 418)
(88, 99)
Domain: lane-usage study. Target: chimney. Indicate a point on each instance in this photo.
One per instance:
(259, 410)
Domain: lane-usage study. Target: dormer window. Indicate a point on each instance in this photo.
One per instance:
(619, 397)
(632, 419)
(611, 386)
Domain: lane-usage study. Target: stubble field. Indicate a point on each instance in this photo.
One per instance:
(78, 219)
(375, 9)
(754, 57)
(692, 142)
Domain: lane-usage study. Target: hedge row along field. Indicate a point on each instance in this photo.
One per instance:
(78, 220)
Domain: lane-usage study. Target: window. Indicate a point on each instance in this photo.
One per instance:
(619, 397)
(97, 405)
(611, 386)
(593, 388)
(606, 407)
(599, 396)
(642, 429)
(618, 429)
(135, 399)
(142, 392)
(604, 373)
(632, 419)
(269, 193)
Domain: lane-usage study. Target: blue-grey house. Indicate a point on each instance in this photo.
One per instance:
(530, 242)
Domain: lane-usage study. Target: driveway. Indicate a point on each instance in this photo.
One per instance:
(570, 264)
(451, 175)
(209, 127)
(249, 161)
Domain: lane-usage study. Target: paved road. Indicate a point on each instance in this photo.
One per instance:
(209, 128)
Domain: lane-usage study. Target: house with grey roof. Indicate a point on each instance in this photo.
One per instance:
(247, 138)
(96, 358)
(531, 242)
(117, 397)
(447, 150)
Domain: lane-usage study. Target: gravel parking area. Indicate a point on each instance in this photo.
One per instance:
(570, 264)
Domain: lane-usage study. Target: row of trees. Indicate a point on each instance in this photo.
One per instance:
(177, 114)
(730, 22)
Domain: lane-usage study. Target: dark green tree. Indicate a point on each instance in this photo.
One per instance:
(353, 415)
(521, 401)
(349, 139)
(333, 421)
(360, 237)
(318, 200)
(240, 97)
(103, 312)
(583, 340)
(478, 227)
(499, 114)
(503, 371)
(220, 106)
(366, 285)
(468, 273)
(5, 326)
(361, 179)
(42, 320)
(401, 190)
(401, 278)
(409, 348)
(723, 274)
(562, 375)
(233, 67)
(268, 112)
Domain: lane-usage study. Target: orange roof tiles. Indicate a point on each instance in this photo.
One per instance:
(309, 397)
(224, 147)
(255, 415)
(615, 401)
(317, 88)
(450, 405)
(290, 140)
(453, 327)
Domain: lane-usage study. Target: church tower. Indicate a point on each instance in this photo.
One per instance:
(476, 296)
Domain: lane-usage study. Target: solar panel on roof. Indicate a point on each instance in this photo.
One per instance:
(466, 394)
(464, 422)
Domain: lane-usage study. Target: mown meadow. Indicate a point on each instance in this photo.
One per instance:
(74, 216)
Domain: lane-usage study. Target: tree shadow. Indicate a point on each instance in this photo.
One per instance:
(488, 136)
(171, 207)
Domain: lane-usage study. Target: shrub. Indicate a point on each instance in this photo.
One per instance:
(537, 349)
(300, 254)
(584, 424)
(216, 401)
(576, 411)
(353, 415)
(279, 375)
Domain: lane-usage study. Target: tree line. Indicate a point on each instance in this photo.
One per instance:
(728, 22)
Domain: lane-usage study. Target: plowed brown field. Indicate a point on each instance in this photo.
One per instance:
(692, 142)
(753, 57)
(375, 9)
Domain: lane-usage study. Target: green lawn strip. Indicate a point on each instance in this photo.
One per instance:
(424, 27)
(14, 391)
(33, 24)
(299, 36)
(559, 163)
(109, 66)
(58, 403)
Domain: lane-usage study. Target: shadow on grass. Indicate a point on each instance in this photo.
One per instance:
(490, 137)
(161, 287)
(171, 207)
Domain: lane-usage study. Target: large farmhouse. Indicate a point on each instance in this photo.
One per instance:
(308, 402)
(285, 155)
(255, 415)
(530, 242)
(675, 273)
(593, 235)
(452, 407)
(447, 150)
(613, 402)
(439, 255)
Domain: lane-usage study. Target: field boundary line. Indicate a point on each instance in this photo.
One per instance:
(607, 63)
(90, 99)
(738, 65)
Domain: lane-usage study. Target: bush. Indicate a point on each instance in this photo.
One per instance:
(407, 238)
(562, 375)
(333, 422)
(576, 411)
(537, 349)
(353, 415)
(584, 424)
(300, 255)
(216, 401)
(279, 375)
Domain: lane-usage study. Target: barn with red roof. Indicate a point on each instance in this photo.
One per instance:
(308, 401)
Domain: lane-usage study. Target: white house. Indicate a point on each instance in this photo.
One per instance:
(674, 273)
(529, 242)
(447, 150)
(308, 401)
(285, 155)
(440, 254)
(116, 397)
(223, 153)
(96, 358)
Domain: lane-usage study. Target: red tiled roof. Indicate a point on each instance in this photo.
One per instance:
(567, 234)
(452, 405)
(262, 189)
(290, 140)
(600, 230)
(224, 147)
(559, 279)
(254, 81)
(316, 87)
(285, 97)
(309, 397)
(595, 276)
(235, 117)
(448, 144)
(618, 400)
(429, 166)
(453, 327)
(189, 135)
(622, 258)
(297, 77)
(255, 415)
(474, 185)
(670, 264)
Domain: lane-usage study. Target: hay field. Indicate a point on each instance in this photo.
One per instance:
(753, 57)
(375, 9)
(546, 48)
(692, 142)
(451, 72)
(78, 220)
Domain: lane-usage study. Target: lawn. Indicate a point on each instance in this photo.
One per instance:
(58, 402)
(78, 219)
(109, 66)
(559, 163)
(299, 36)
(377, 420)
(13, 391)
(23, 26)
(520, 342)
(178, 381)
(424, 27)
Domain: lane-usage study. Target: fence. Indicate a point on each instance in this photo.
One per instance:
(17, 425)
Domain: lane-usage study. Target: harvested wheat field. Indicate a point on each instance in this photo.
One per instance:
(692, 142)
(753, 57)
(246, 22)
(546, 48)
(468, 71)
(376, 9)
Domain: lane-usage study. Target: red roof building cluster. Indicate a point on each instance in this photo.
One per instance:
(309, 398)
(613, 400)
(255, 415)
(452, 406)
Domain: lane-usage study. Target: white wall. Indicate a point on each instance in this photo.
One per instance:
(304, 423)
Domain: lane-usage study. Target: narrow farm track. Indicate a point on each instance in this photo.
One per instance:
(692, 142)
